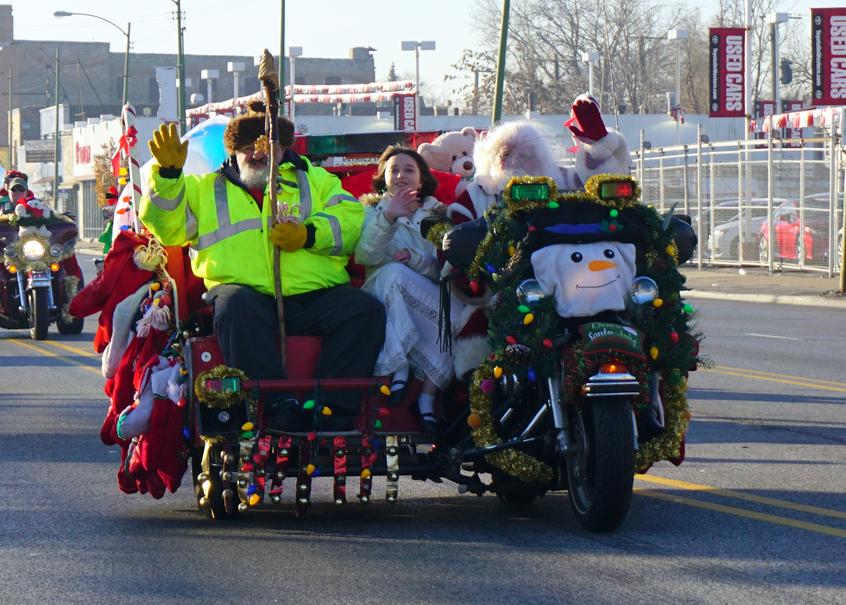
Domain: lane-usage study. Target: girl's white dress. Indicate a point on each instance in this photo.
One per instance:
(409, 291)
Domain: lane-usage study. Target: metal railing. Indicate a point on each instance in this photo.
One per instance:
(743, 195)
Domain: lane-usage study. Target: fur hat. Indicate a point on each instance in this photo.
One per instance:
(246, 128)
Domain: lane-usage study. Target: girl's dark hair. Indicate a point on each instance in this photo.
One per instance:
(428, 183)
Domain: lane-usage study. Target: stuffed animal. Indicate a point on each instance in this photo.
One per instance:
(521, 149)
(451, 152)
(33, 208)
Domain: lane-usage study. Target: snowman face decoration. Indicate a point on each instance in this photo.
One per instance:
(586, 279)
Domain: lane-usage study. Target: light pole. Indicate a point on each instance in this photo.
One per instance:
(235, 68)
(774, 20)
(208, 75)
(57, 139)
(126, 33)
(591, 58)
(678, 35)
(293, 53)
(417, 46)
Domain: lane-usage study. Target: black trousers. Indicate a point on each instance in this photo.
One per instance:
(350, 321)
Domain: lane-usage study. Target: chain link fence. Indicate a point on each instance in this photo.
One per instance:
(768, 202)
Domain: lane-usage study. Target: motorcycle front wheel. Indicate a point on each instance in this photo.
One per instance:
(39, 313)
(600, 471)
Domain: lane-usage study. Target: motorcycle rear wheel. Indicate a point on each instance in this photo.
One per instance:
(601, 470)
(74, 327)
(39, 314)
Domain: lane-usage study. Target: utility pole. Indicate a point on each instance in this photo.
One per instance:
(180, 67)
(126, 67)
(282, 59)
(10, 163)
(58, 141)
(500, 65)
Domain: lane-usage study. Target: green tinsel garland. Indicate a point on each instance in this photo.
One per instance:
(520, 346)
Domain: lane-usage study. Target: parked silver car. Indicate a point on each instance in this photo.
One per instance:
(723, 240)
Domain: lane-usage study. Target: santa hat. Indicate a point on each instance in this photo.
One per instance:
(246, 128)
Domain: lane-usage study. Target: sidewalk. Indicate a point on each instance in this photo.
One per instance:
(752, 284)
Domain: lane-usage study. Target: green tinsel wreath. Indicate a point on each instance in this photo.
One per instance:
(519, 335)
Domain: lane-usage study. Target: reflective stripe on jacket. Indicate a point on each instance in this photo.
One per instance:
(228, 232)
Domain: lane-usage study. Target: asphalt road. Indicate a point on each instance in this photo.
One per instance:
(756, 514)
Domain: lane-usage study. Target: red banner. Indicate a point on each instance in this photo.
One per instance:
(727, 72)
(405, 112)
(828, 56)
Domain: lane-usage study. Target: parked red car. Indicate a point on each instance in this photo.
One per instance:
(786, 235)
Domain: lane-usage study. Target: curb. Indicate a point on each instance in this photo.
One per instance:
(780, 299)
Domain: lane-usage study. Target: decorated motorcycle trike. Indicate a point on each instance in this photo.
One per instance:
(584, 382)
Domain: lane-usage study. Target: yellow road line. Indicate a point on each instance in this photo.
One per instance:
(800, 383)
(742, 512)
(779, 375)
(28, 345)
(74, 350)
(728, 493)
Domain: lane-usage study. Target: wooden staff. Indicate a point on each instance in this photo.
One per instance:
(278, 211)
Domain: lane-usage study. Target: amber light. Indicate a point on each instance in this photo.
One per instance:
(613, 368)
(54, 267)
(13, 269)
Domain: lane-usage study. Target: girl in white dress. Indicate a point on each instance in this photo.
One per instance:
(402, 272)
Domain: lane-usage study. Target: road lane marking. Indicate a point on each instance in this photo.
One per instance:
(782, 375)
(728, 493)
(772, 336)
(28, 345)
(742, 512)
(74, 350)
(801, 383)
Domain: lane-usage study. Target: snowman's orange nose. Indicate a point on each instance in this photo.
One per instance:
(601, 265)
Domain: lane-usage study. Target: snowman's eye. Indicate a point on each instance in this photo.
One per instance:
(576, 257)
(609, 253)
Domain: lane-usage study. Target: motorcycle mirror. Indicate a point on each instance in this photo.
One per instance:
(529, 292)
(644, 290)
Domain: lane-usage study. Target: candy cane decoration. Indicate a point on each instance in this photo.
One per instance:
(126, 145)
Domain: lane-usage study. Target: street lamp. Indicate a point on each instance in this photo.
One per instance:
(126, 33)
(774, 20)
(591, 58)
(235, 68)
(293, 53)
(678, 35)
(417, 46)
(208, 75)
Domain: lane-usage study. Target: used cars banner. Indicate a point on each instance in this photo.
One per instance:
(727, 72)
(828, 55)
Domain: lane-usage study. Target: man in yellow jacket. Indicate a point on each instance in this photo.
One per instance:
(226, 218)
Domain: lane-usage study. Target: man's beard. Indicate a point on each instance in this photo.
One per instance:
(253, 175)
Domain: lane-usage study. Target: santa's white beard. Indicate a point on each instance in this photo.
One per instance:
(253, 177)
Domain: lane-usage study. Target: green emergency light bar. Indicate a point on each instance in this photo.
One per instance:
(529, 192)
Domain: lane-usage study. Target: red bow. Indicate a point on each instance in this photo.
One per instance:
(127, 141)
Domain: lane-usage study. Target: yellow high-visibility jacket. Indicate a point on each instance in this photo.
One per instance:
(228, 233)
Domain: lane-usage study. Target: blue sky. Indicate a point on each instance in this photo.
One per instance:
(324, 28)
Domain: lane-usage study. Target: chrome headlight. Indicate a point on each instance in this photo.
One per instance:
(10, 251)
(34, 250)
(644, 290)
(529, 292)
(56, 250)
